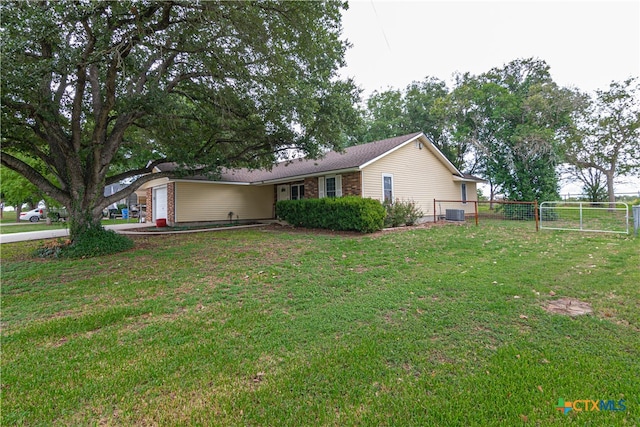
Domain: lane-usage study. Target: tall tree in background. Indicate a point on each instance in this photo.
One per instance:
(17, 191)
(101, 92)
(424, 104)
(420, 107)
(609, 136)
(384, 117)
(468, 116)
(594, 185)
(516, 117)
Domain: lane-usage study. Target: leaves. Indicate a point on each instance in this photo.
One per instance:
(607, 139)
(515, 117)
(102, 92)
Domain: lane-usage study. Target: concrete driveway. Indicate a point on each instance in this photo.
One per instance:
(61, 232)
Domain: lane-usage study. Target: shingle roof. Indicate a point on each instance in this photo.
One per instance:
(351, 158)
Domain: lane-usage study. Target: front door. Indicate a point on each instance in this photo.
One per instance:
(283, 192)
(159, 203)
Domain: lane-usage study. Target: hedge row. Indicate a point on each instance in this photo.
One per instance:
(341, 213)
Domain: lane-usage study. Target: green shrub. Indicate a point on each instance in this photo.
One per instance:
(401, 212)
(93, 242)
(333, 213)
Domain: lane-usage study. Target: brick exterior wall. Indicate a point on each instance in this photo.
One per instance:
(171, 203)
(351, 184)
(311, 188)
(149, 217)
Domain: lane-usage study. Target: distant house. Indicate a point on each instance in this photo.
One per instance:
(407, 167)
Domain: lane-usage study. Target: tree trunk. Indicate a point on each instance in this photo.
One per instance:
(612, 196)
(81, 220)
(491, 195)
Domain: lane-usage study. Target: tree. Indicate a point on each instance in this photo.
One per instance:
(101, 92)
(593, 186)
(515, 117)
(16, 191)
(609, 136)
(425, 111)
(384, 116)
(421, 106)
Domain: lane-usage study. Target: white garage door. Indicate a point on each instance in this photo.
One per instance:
(159, 203)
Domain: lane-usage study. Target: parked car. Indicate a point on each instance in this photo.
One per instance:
(33, 215)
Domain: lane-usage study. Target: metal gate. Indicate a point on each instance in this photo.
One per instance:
(599, 217)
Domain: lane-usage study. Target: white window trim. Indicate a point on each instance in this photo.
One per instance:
(393, 190)
(322, 189)
(299, 186)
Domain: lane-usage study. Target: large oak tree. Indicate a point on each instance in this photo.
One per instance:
(102, 92)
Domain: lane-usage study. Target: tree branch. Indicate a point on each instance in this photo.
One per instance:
(33, 176)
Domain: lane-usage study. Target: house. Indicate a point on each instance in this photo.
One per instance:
(407, 167)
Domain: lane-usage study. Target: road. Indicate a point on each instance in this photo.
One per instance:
(60, 232)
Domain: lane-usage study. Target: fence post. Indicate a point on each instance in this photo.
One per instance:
(535, 210)
(434, 211)
(580, 215)
(476, 209)
(636, 218)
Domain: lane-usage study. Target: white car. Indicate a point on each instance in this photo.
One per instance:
(33, 215)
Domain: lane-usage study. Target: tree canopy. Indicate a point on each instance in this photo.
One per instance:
(517, 118)
(506, 125)
(608, 138)
(100, 92)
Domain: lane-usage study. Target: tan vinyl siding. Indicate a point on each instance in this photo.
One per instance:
(417, 175)
(196, 202)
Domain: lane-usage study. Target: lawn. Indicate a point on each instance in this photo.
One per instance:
(442, 326)
(10, 226)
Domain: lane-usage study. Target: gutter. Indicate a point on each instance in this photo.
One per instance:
(309, 175)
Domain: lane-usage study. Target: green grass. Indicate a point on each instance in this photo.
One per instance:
(7, 227)
(26, 226)
(440, 326)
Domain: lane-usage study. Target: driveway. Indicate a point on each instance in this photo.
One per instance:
(61, 232)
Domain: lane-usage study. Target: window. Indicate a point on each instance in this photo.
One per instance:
(330, 186)
(297, 191)
(387, 188)
(464, 192)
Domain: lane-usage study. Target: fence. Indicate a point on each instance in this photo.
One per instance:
(600, 217)
(458, 210)
(506, 210)
(455, 210)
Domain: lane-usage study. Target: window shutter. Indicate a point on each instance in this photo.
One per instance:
(338, 185)
(321, 187)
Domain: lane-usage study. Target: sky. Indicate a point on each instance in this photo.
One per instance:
(587, 44)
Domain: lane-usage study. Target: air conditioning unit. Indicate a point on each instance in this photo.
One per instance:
(454, 215)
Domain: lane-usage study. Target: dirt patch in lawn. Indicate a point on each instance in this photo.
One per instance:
(569, 307)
